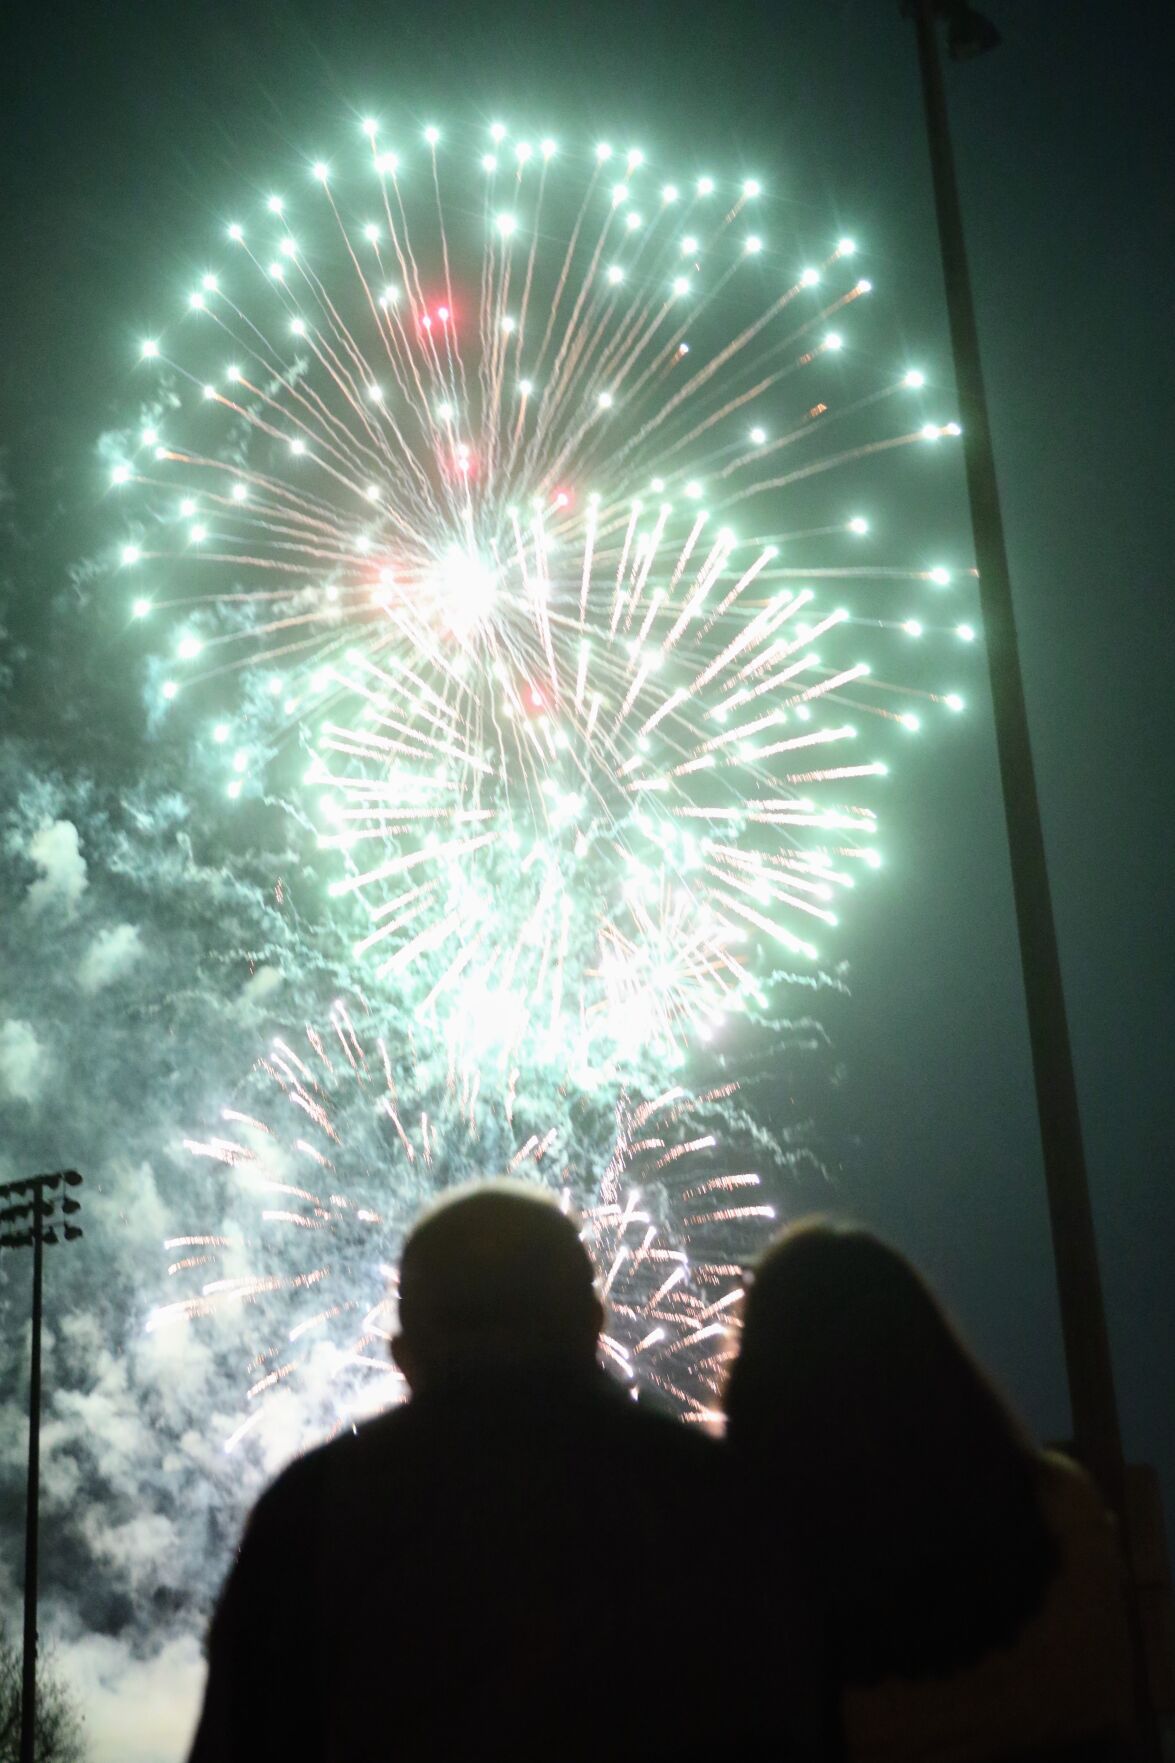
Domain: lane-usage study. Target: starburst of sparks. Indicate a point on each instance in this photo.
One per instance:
(502, 469)
(331, 1157)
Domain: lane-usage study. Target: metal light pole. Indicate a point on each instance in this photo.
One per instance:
(1088, 1363)
(37, 1235)
(1083, 1322)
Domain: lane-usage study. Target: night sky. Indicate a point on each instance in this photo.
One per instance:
(129, 129)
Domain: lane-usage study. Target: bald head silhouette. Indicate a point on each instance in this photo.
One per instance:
(494, 1275)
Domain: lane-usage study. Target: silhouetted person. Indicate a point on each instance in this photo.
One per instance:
(518, 1562)
(968, 1585)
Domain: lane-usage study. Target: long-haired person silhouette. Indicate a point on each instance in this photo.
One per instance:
(968, 1585)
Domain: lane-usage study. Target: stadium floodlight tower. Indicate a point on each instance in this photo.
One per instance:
(27, 1213)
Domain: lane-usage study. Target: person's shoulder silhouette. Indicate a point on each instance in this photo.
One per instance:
(966, 1585)
(519, 1561)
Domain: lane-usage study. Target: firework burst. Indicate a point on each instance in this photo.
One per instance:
(502, 470)
(336, 1149)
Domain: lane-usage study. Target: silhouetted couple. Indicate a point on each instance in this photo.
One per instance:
(521, 1562)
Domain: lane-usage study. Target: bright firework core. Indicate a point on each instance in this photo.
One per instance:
(466, 588)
